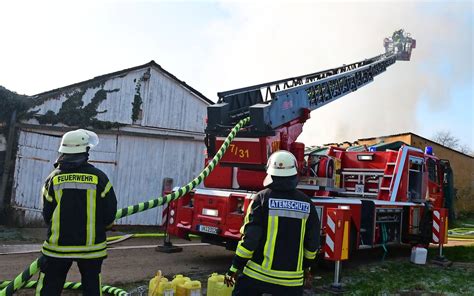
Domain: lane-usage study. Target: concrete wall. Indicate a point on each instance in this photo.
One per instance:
(371, 141)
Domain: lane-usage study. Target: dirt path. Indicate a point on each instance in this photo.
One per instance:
(133, 265)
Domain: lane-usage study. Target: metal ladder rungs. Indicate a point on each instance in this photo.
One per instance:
(385, 188)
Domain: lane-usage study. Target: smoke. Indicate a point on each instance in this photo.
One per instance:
(266, 41)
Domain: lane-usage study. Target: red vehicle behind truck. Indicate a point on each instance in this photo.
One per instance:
(390, 190)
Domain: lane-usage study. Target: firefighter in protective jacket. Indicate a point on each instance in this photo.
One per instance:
(280, 235)
(79, 203)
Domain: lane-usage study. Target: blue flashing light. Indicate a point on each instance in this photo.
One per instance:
(372, 149)
(429, 150)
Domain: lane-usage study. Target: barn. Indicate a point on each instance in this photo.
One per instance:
(151, 130)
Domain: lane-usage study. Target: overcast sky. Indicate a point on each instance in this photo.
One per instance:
(220, 45)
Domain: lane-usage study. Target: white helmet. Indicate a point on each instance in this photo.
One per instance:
(77, 141)
(282, 164)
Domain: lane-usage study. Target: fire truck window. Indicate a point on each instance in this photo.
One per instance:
(415, 179)
(432, 170)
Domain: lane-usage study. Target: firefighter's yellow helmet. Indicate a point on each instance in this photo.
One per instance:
(281, 164)
(77, 141)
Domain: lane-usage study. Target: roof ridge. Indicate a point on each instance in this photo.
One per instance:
(151, 63)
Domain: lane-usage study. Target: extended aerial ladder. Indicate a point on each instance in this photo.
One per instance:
(276, 103)
(278, 109)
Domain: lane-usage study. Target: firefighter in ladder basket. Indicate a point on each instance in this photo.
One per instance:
(79, 204)
(280, 236)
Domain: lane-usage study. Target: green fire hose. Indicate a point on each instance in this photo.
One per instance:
(22, 278)
(464, 233)
(73, 286)
(140, 235)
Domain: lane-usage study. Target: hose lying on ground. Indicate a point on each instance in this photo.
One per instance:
(21, 279)
(464, 233)
(73, 286)
(112, 239)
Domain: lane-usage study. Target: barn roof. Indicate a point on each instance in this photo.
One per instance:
(105, 77)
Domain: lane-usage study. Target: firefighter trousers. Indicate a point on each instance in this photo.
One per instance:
(247, 286)
(53, 272)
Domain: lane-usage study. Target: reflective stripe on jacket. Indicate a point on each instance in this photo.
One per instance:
(280, 237)
(78, 205)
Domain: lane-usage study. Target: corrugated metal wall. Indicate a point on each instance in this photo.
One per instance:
(165, 142)
(144, 163)
(135, 165)
(166, 103)
(34, 161)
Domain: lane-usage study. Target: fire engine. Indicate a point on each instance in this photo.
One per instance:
(390, 191)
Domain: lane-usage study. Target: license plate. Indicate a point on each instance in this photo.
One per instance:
(208, 229)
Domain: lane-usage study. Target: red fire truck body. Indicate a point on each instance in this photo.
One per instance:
(387, 188)
(390, 191)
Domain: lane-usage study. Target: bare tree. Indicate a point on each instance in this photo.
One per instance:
(446, 138)
(466, 150)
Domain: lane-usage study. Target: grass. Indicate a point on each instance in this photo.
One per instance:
(456, 253)
(400, 277)
(463, 220)
(12, 235)
(397, 277)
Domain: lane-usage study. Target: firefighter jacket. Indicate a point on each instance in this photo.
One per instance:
(280, 235)
(78, 204)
